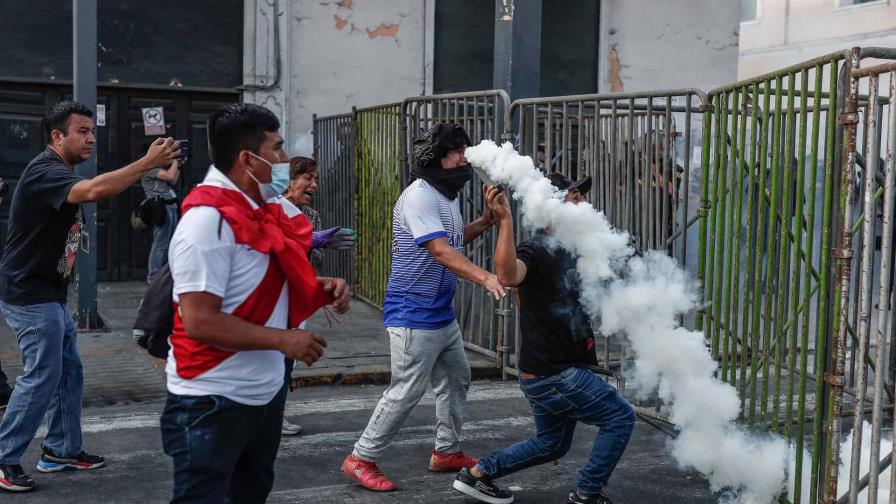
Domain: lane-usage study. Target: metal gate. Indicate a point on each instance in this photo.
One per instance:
(788, 295)
(334, 150)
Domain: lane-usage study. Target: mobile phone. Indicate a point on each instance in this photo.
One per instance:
(184, 153)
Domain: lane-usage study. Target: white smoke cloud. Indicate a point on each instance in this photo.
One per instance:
(641, 298)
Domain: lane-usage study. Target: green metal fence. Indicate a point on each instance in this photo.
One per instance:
(378, 173)
(776, 257)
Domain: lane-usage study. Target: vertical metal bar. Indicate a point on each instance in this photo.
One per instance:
(738, 175)
(725, 327)
(566, 140)
(887, 245)
(783, 239)
(761, 236)
(864, 287)
(830, 458)
(871, 168)
(580, 132)
(810, 238)
(793, 313)
(647, 165)
(714, 280)
(750, 244)
(686, 182)
(700, 319)
(770, 254)
(614, 161)
(630, 161)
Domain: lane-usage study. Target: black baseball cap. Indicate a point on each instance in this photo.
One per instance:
(564, 183)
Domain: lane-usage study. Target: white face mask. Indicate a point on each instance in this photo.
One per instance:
(279, 179)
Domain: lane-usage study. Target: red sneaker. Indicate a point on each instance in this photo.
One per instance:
(367, 474)
(450, 462)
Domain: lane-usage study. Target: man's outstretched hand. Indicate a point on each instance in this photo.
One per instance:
(337, 289)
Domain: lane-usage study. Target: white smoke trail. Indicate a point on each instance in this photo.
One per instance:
(641, 297)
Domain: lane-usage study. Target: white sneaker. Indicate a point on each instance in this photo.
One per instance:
(290, 429)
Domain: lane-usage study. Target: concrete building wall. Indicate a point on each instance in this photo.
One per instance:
(340, 53)
(661, 44)
(335, 55)
(790, 31)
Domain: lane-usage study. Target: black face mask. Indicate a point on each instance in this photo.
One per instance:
(447, 182)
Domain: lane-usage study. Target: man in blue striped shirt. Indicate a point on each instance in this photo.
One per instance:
(428, 236)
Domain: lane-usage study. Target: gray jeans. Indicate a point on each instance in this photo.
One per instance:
(419, 358)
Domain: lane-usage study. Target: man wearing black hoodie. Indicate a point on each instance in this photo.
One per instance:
(428, 237)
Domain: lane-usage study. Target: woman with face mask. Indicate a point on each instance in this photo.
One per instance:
(301, 191)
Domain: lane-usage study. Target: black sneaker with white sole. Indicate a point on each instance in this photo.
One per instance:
(480, 488)
(14, 479)
(598, 498)
(50, 462)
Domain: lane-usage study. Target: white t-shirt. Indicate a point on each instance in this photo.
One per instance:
(203, 261)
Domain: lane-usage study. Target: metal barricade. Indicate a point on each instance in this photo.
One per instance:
(637, 149)
(483, 115)
(378, 173)
(635, 146)
(867, 364)
(787, 295)
(334, 150)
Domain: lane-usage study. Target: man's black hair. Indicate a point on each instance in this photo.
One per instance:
(57, 117)
(237, 127)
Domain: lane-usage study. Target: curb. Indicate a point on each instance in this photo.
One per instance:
(374, 375)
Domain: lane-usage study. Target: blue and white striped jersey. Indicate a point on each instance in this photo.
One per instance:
(420, 292)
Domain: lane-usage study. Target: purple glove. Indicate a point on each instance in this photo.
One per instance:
(338, 238)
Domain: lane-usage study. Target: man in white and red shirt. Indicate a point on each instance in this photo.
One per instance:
(239, 263)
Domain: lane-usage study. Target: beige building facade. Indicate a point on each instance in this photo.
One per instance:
(778, 33)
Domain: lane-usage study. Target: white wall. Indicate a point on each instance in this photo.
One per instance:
(788, 32)
(663, 44)
(340, 53)
(335, 55)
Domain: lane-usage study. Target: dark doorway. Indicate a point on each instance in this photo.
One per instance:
(122, 251)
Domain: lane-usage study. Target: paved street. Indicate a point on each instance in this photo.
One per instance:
(124, 393)
(333, 417)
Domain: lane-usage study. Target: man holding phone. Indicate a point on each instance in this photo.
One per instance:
(158, 185)
(42, 240)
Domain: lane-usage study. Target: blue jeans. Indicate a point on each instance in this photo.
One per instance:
(223, 451)
(161, 237)
(51, 383)
(558, 403)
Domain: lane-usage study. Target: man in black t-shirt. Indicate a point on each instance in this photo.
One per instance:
(43, 238)
(557, 346)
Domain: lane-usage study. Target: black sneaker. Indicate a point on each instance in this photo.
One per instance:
(598, 498)
(14, 479)
(481, 488)
(50, 462)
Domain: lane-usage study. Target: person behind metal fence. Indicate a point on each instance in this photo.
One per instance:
(45, 220)
(242, 280)
(158, 186)
(303, 180)
(557, 348)
(428, 238)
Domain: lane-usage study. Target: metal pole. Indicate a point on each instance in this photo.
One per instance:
(85, 92)
(517, 48)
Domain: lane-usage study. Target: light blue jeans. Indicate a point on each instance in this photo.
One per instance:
(51, 384)
(421, 357)
(161, 237)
